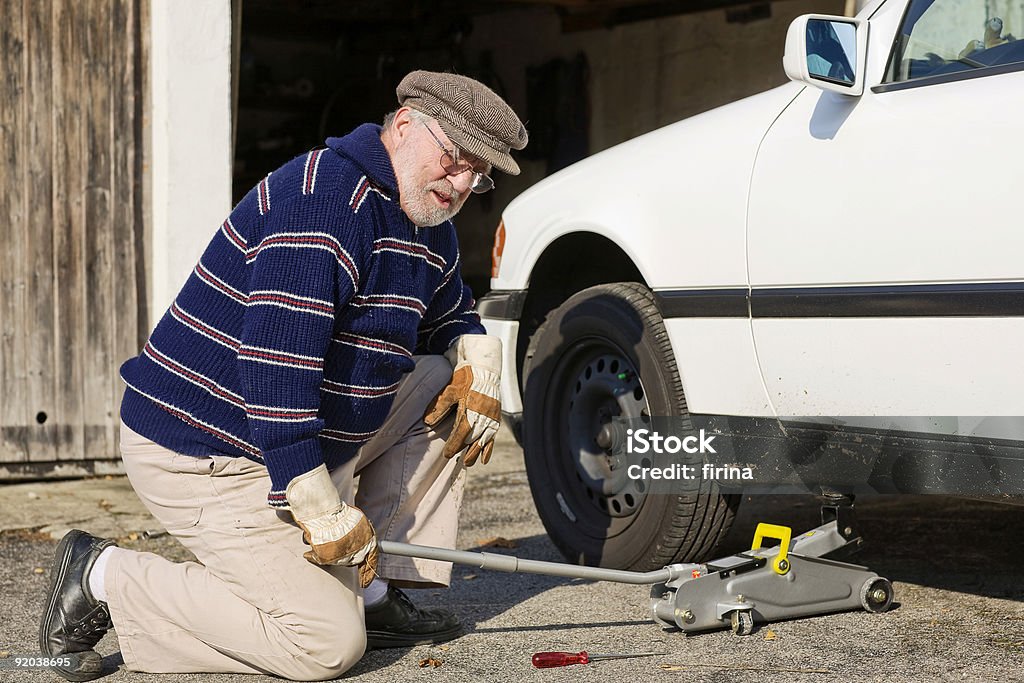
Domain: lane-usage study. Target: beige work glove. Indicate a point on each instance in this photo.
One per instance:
(336, 533)
(473, 394)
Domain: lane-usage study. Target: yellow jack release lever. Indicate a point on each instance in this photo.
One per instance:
(783, 533)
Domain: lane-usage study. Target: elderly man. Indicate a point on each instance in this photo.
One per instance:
(325, 337)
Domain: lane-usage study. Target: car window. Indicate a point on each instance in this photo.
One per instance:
(949, 36)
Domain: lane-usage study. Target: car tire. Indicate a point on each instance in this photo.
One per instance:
(605, 353)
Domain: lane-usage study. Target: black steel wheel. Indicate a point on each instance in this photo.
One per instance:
(605, 354)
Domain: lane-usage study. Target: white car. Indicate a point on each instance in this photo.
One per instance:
(843, 245)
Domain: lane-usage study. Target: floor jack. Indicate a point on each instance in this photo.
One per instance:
(800, 577)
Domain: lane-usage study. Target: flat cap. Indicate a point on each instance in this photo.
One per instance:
(472, 115)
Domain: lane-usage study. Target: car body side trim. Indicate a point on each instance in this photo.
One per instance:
(704, 303)
(975, 299)
(972, 299)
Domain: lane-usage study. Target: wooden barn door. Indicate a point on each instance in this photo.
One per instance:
(71, 224)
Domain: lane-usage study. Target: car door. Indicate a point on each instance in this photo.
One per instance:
(885, 244)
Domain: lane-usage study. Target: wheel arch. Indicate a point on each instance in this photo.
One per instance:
(570, 264)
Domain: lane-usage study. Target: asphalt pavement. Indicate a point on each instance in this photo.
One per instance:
(955, 564)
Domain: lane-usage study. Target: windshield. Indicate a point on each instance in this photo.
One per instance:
(946, 36)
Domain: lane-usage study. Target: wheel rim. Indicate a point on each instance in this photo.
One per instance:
(599, 383)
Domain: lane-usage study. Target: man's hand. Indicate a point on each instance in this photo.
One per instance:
(473, 393)
(336, 533)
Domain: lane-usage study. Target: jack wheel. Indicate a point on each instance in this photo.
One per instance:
(876, 594)
(742, 622)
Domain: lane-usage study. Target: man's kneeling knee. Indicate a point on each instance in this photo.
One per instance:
(328, 658)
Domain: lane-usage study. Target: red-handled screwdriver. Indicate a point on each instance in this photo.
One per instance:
(548, 660)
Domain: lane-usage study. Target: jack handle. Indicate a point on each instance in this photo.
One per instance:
(510, 563)
(780, 565)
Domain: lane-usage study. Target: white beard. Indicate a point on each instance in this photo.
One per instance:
(418, 202)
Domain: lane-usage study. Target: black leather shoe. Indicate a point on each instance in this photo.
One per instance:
(74, 621)
(396, 622)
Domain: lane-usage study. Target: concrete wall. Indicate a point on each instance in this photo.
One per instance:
(643, 75)
(190, 124)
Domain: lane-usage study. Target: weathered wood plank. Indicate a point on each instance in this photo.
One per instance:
(127, 127)
(71, 221)
(42, 430)
(69, 110)
(13, 378)
(94, 18)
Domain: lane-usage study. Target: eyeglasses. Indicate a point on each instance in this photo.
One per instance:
(452, 165)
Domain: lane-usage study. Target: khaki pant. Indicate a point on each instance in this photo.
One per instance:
(253, 604)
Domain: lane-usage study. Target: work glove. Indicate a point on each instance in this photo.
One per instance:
(473, 394)
(336, 533)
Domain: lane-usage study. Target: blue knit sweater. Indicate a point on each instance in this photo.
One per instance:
(288, 340)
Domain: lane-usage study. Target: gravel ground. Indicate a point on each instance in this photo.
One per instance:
(955, 565)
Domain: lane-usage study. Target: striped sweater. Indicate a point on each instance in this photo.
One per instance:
(288, 340)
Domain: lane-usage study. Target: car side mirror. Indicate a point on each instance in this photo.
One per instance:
(827, 52)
